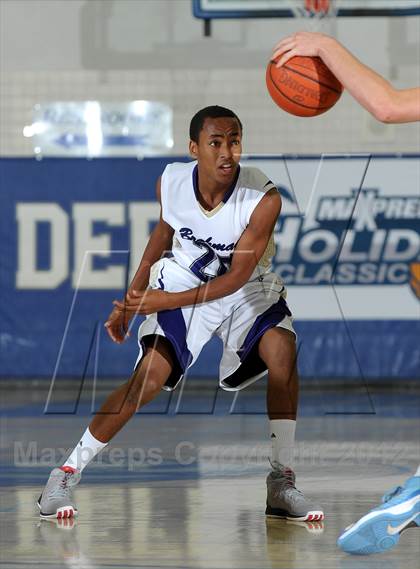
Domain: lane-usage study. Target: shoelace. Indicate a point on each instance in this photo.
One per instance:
(62, 489)
(289, 481)
(387, 497)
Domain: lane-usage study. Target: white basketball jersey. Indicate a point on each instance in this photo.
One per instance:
(204, 241)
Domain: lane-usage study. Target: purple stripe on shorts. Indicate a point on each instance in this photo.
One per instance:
(268, 319)
(173, 325)
(160, 280)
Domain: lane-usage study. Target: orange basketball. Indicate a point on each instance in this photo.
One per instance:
(304, 86)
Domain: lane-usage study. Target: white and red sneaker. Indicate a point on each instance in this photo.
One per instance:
(284, 500)
(56, 500)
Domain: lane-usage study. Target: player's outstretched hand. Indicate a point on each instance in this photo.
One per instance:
(145, 302)
(300, 43)
(117, 325)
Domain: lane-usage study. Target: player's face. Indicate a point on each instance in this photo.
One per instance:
(219, 149)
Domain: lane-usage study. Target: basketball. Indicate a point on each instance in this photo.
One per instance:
(304, 86)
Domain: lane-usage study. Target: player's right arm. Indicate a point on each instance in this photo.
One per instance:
(370, 89)
(159, 242)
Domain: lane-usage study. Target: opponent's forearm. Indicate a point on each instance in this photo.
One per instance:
(369, 88)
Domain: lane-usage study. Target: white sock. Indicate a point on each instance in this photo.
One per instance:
(282, 436)
(85, 451)
(417, 471)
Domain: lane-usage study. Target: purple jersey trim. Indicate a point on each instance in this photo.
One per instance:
(227, 194)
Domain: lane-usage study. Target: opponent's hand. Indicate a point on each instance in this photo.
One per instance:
(145, 302)
(301, 43)
(117, 325)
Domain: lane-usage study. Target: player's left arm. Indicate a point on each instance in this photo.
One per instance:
(248, 251)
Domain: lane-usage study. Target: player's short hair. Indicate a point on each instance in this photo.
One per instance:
(213, 112)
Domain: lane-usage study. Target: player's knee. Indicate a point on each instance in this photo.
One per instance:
(139, 393)
(278, 351)
(148, 386)
(281, 365)
(152, 384)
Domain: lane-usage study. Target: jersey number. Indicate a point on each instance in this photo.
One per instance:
(209, 256)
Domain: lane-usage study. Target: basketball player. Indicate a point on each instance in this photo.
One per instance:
(380, 529)
(217, 218)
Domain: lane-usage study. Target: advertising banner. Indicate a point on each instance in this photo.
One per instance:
(95, 128)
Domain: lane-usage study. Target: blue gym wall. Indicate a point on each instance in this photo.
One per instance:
(58, 330)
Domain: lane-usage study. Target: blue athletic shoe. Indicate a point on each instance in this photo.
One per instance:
(380, 529)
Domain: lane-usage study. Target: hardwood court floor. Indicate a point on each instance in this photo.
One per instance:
(188, 490)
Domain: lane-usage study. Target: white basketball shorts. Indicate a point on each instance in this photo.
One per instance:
(239, 320)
